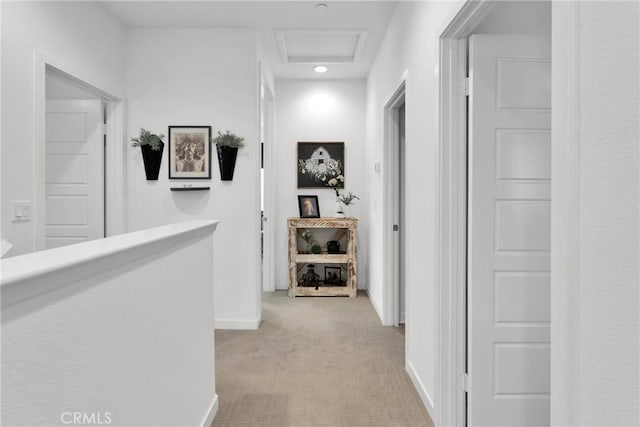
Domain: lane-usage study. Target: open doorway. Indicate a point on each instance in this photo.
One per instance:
(494, 295)
(266, 187)
(395, 182)
(79, 134)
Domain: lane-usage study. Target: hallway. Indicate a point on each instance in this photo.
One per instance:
(315, 361)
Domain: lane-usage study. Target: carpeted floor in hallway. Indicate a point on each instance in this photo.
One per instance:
(315, 362)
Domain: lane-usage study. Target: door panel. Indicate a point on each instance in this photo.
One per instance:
(74, 172)
(509, 230)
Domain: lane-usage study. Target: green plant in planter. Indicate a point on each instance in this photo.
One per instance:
(151, 146)
(148, 138)
(227, 145)
(228, 139)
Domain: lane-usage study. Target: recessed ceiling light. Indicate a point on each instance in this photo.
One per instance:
(321, 7)
(320, 69)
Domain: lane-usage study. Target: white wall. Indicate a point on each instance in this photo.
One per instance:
(111, 328)
(517, 17)
(595, 325)
(201, 77)
(411, 44)
(319, 110)
(84, 40)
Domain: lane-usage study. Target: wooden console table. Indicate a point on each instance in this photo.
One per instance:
(342, 230)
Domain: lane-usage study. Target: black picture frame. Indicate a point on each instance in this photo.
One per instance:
(318, 163)
(308, 207)
(189, 152)
(332, 275)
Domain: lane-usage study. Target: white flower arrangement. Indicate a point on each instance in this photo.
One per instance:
(335, 182)
(321, 172)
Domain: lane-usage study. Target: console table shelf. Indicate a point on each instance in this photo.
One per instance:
(339, 229)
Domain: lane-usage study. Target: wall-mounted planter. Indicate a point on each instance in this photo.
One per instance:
(227, 161)
(152, 159)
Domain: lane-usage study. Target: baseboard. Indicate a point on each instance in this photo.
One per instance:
(375, 306)
(422, 392)
(237, 324)
(211, 414)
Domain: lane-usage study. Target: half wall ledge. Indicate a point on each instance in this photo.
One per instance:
(27, 276)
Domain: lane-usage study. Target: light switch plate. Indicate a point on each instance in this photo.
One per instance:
(22, 210)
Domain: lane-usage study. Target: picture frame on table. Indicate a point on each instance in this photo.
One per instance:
(308, 206)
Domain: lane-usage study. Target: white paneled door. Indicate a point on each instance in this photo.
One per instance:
(509, 230)
(74, 172)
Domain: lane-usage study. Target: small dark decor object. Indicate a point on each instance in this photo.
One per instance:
(151, 146)
(332, 276)
(308, 207)
(316, 248)
(333, 247)
(310, 278)
(227, 145)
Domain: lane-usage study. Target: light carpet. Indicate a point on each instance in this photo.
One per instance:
(315, 362)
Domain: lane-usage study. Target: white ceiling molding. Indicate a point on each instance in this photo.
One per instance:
(320, 45)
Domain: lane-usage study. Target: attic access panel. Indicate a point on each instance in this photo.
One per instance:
(319, 162)
(320, 46)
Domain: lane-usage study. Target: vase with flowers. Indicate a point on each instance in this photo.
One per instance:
(335, 183)
(347, 199)
(308, 238)
(343, 199)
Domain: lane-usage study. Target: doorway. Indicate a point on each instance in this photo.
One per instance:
(266, 187)
(494, 218)
(75, 132)
(394, 219)
(57, 222)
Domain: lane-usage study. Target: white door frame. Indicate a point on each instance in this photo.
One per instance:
(115, 155)
(391, 302)
(268, 262)
(452, 220)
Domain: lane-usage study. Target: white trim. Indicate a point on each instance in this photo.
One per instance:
(237, 324)
(565, 213)
(257, 224)
(211, 413)
(115, 172)
(115, 196)
(390, 302)
(375, 306)
(422, 391)
(451, 252)
(39, 187)
(268, 263)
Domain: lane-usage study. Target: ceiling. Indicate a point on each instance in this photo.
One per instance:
(296, 35)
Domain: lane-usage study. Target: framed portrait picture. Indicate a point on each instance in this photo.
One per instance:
(308, 206)
(332, 275)
(189, 152)
(320, 164)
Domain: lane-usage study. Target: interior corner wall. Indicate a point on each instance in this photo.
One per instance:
(201, 77)
(411, 44)
(319, 110)
(595, 214)
(79, 35)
